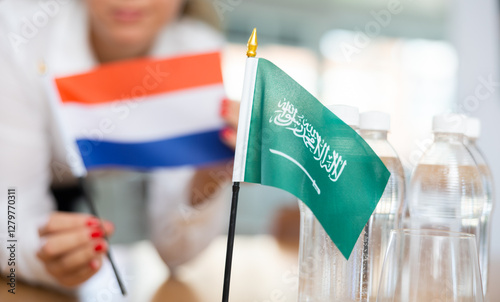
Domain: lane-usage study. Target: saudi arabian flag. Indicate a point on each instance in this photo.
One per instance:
(287, 139)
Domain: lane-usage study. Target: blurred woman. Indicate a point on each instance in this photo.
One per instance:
(68, 37)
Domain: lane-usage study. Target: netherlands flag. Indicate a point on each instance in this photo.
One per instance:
(144, 113)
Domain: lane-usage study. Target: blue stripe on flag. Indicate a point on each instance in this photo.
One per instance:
(196, 149)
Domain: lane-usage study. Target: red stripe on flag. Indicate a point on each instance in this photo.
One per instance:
(135, 79)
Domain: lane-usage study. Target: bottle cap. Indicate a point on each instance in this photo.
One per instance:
(348, 114)
(449, 123)
(375, 120)
(473, 127)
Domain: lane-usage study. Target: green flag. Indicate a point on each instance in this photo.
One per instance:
(287, 139)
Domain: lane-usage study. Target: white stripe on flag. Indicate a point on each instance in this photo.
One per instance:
(153, 118)
(246, 105)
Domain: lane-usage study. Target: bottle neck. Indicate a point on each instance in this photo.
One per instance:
(448, 137)
(374, 134)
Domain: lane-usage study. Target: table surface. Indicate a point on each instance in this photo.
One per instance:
(263, 270)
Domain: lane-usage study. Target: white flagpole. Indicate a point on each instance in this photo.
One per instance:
(73, 158)
(63, 139)
(246, 106)
(241, 152)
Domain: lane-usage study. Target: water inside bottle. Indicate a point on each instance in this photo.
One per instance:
(325, 275)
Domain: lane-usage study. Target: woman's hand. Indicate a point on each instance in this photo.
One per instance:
(74, 246)
(230, 111)
(208, 180)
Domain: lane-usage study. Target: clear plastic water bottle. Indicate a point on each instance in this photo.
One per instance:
(323, 270)
(446, 188)
(324, 273)
(387, 216)
(471, 135)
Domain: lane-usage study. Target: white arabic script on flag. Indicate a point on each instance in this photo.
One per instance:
(287, 116)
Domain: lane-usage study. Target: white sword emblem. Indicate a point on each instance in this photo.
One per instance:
(300, 166)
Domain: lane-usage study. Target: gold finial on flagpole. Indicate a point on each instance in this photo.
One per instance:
(252, 44)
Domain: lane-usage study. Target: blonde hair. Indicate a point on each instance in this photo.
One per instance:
(202, 10)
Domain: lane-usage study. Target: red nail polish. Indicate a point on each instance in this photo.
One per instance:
(92, 222)
(223, 112)
(97, 234)
(223, 133)
(226, 132)
(99, 247)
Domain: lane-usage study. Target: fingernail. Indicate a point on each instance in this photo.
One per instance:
(94, 264)
(110, 225)
(225, 133)
(99, 247)
(223, 107)
(97, 234)
(223, 112)
(92, 222)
